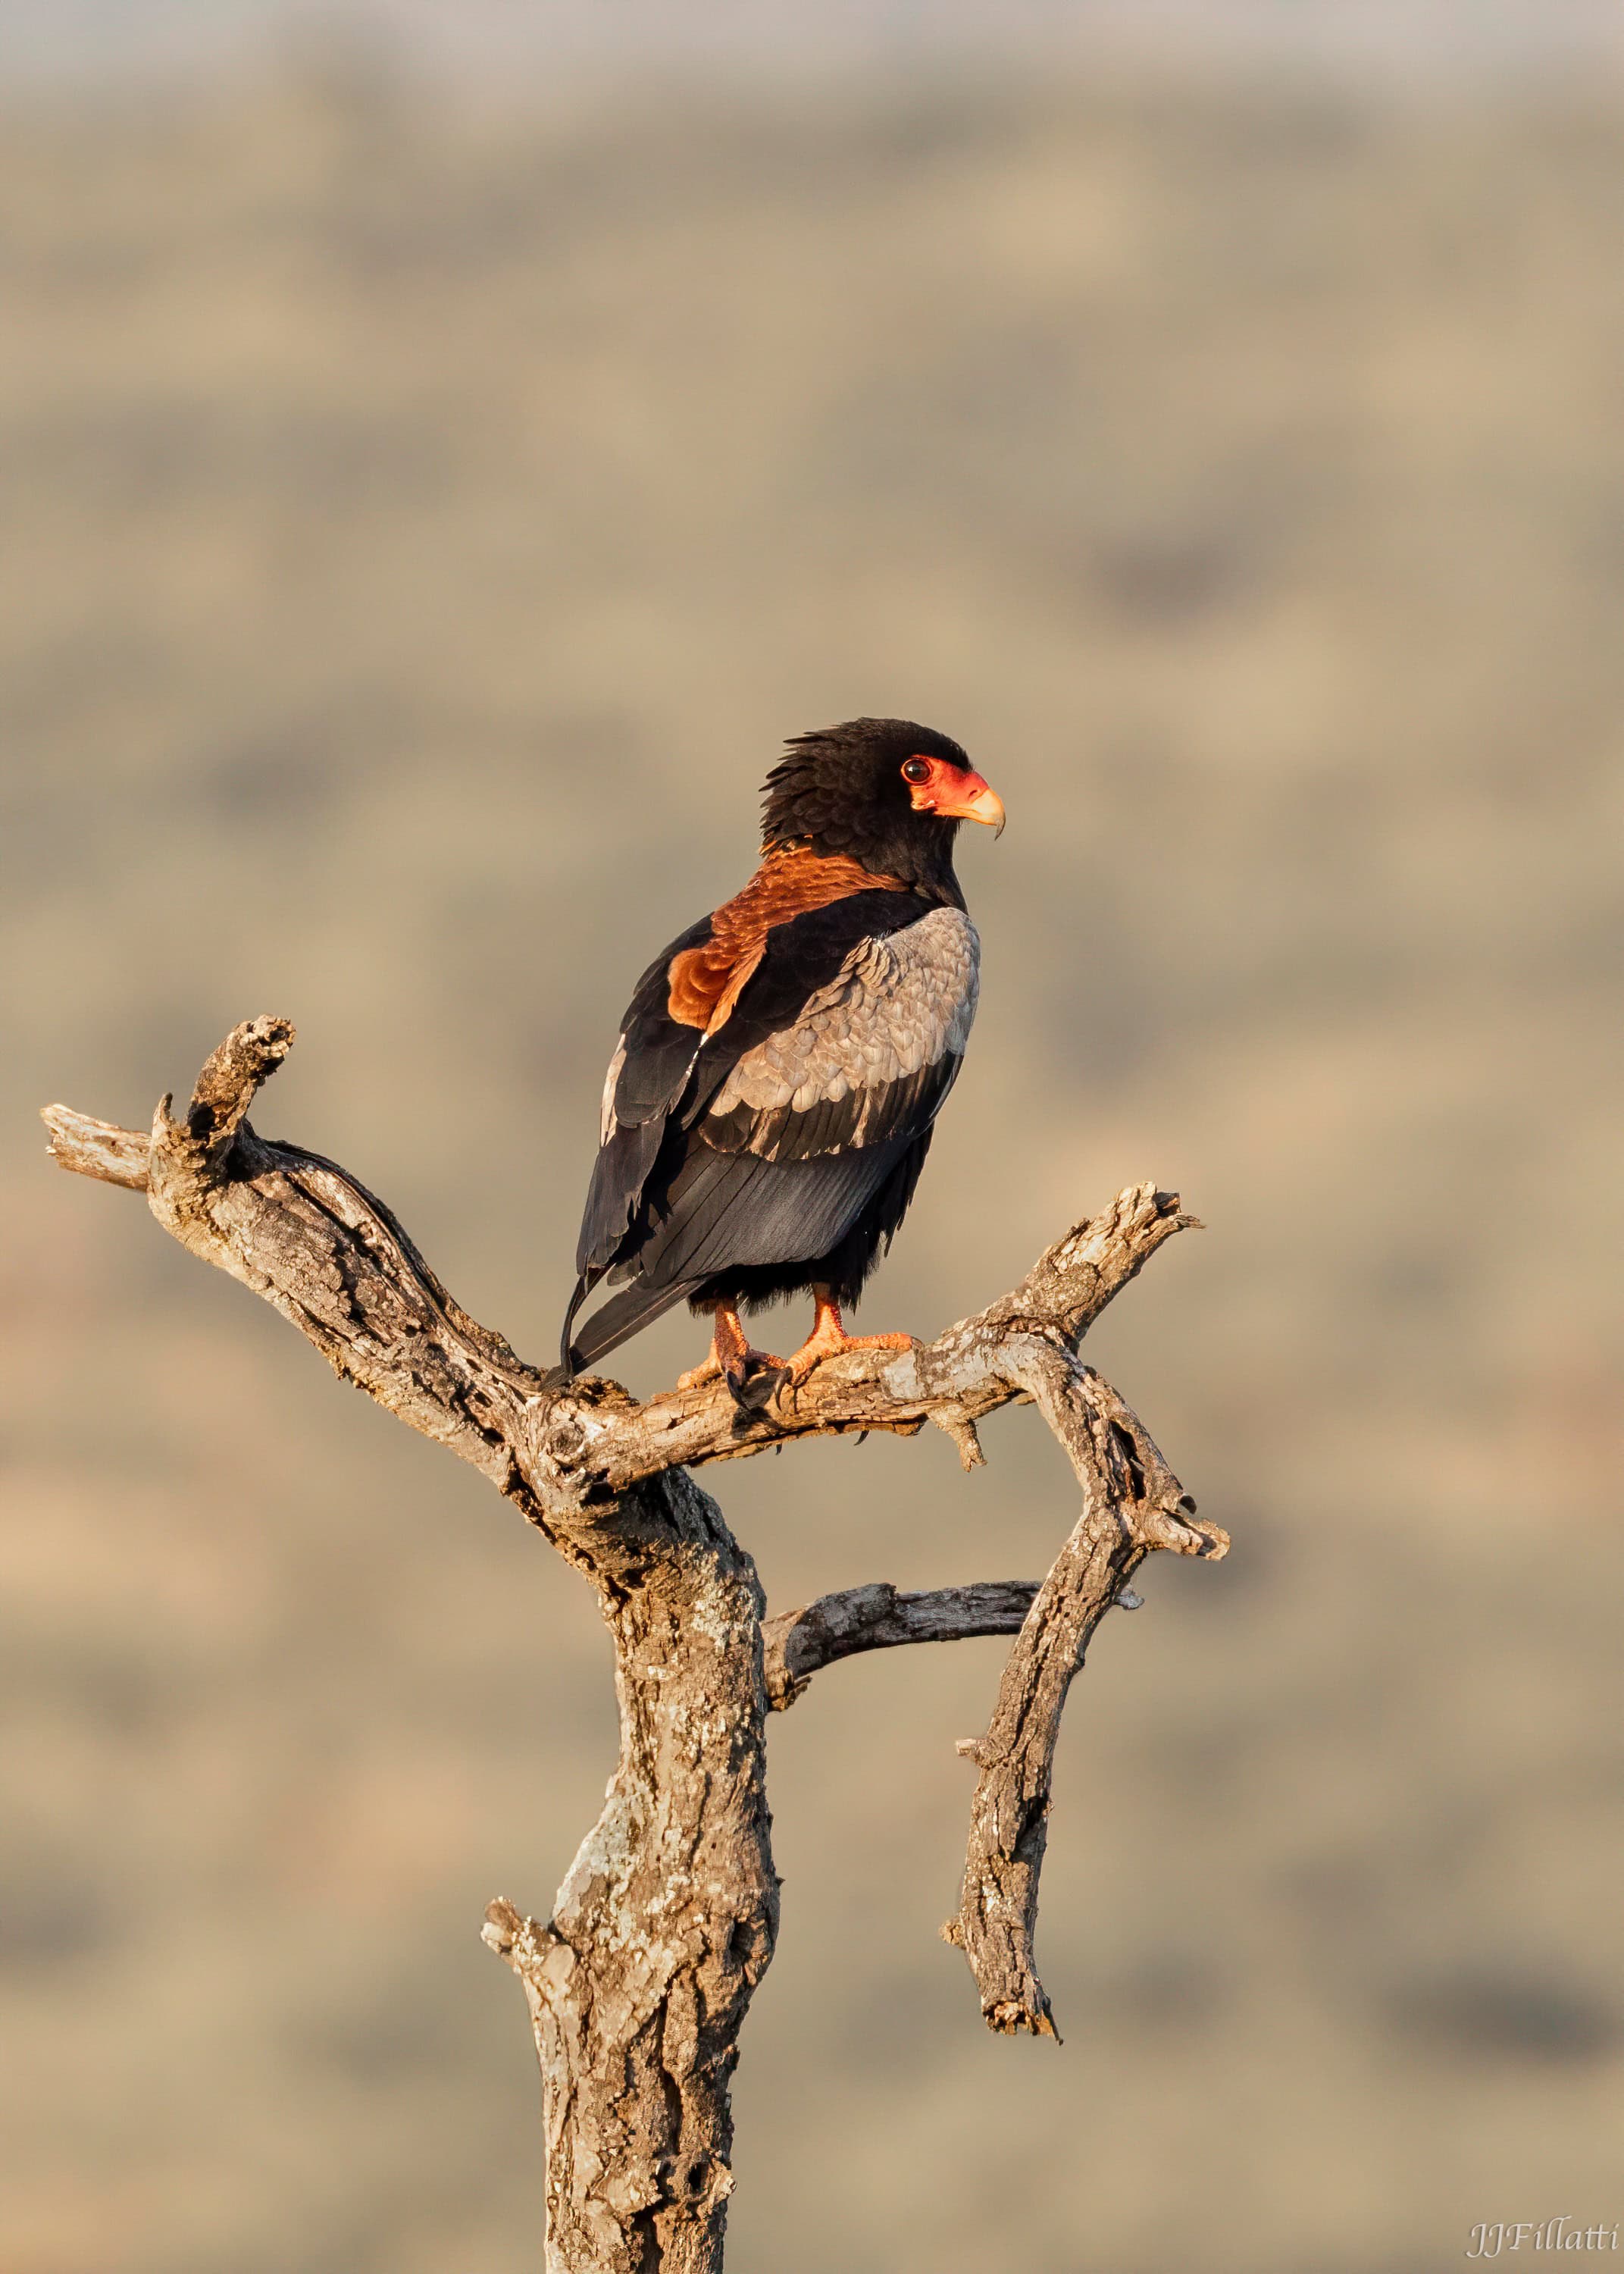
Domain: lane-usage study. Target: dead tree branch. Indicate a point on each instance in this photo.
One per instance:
(639, 1983)
(879, 1617)
(1133, 1503)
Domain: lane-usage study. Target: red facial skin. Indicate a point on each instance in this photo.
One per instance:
(955, 793)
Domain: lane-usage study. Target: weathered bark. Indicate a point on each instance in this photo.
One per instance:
(880, 1617)
(638, 1986)
(1132, 1502)
(639, 1983)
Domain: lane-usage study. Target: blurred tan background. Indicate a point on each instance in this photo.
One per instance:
(425, 507)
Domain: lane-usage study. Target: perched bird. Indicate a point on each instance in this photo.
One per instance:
(771, 1101)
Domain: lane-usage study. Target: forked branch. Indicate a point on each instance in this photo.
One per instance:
(639, 1983)
(309, 1236)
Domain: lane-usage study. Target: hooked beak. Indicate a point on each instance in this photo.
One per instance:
(961, 795)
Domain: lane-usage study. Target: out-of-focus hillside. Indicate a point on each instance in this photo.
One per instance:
(420, 526)
(91, 44)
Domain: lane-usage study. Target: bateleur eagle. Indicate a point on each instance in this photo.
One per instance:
(770, 1100)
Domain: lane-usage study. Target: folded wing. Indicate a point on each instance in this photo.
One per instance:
(871, 1056)
(765, 1141)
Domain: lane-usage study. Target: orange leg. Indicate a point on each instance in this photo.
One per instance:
(828, 1338)
(731, 1356)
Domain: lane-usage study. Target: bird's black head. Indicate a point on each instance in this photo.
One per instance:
(884, 791)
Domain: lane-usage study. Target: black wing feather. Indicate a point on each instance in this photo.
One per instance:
(732, 1209)
(658, 1057)
(659, 1050)
(622, 1316)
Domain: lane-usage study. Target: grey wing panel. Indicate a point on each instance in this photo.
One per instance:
(871, 1057)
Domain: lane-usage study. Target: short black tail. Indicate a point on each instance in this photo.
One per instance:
(621, 1317)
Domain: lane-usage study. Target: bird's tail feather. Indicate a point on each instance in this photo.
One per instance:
(621, 1317)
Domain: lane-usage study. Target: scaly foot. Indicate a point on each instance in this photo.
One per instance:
(829, 1338)
(751, 1375)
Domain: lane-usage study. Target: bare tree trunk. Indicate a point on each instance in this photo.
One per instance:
(639, 1983)
(638, 1986)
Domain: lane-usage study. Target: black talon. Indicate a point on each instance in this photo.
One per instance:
(753, 1392)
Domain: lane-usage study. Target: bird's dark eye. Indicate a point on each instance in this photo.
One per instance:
(916, 769)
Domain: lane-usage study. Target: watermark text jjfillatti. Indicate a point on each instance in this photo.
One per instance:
(1492, 2236)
